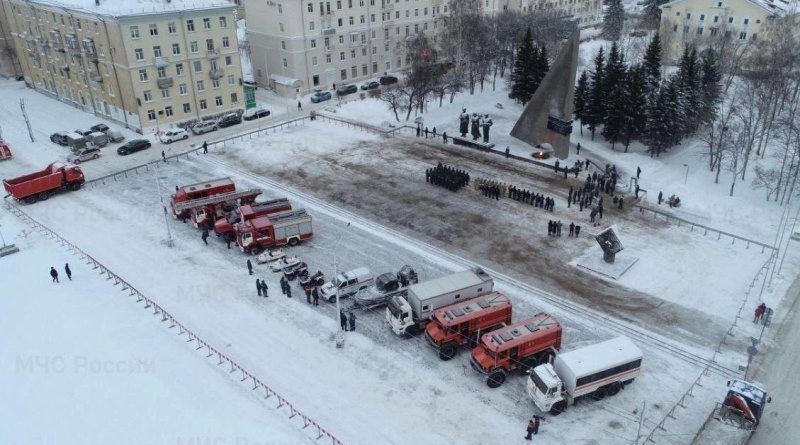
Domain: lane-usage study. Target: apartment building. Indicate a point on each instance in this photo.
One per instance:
(585, 12)
(297, 46)
(145, 64)
(698, 21)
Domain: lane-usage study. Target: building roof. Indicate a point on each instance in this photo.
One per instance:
(520, 332)
(779, 7)
(118, 8)
(470, 309)
(448, 283)
(600, 356)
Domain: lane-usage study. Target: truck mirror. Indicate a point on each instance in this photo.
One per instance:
(769, 399)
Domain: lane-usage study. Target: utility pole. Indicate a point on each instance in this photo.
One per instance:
(641, 421)
(169, 241)
(339, 332)
(27, 121)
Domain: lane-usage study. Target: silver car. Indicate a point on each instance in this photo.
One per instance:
(85, 154)
(204, 127)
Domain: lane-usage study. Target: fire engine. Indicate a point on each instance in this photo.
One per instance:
(291, 227)
(521, 345)
(197, 191)
(463, 323)
(224, 226)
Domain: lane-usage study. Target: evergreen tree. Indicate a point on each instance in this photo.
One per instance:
(613, 19)
(675, 114)
(710, 88)
(657, 126)
(651, 15)
(541, 66)
(579, 100)
(522, 75)
(635, 105)
(614, 96)
(595, 106)
(688, 88)
(652, 66)
(536, 70)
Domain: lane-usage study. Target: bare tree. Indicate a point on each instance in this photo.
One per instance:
(395, 98)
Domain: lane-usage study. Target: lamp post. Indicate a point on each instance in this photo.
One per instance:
(686, 176)
(339, 331)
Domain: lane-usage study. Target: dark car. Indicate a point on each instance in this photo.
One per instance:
(320, 96)
(346, 89)
(388, 80)
(59, 138)
(102, 128)
(255, 113)
(228, 120)
(133, 146)
(370, 85)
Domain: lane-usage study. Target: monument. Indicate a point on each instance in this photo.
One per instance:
(547, 117)
(614, 263)
(610, 244)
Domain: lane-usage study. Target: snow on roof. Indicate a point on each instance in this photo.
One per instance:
(288, 81)
(134, 7)
(600, 356)
(779, 7)
(447, 283)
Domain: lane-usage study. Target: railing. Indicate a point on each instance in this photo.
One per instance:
(166, 317)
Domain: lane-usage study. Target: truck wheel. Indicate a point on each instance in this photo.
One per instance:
(293, 242)
(496, 378)
(447, 351)
(599, 393)
(559, 407)
(613, 388)
(31, 199)
(332, 299)
(44, 196)
(528, 364)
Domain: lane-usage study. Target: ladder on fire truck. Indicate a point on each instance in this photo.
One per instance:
(216, 199)
(287, 215)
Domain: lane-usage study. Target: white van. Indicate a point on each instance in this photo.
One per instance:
(348, 284)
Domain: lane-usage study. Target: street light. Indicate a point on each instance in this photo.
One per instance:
(339, 331)
(686, 176)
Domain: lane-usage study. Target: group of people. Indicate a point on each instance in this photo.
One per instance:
(54, 273)
(535, 199)
(491, 189)
(448, 177)
(421, 131)
(554, 229)
(761, 309)
(347, 321)
(474, 125)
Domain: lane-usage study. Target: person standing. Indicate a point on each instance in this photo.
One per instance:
(418, 130)
(638, 172)
(205, 147)
(163, 156)
(249, 266)
(228, 239)
(571, 229)
(205, 236)
(530, 429)
(578, 149)
(434, 132)
(351, 320)
(54, 274)
(68, 271)
(288, 290)
(508, 151)
(315, 295)
(660, 197)
(758, 313)
(426, 132)
(264, 288)
(308, 295)
(284, 285)
(258, 286)
(619, 203)
(444, 137)
(343, 320)
(299, 106)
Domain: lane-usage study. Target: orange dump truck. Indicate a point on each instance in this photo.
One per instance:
(42, 184)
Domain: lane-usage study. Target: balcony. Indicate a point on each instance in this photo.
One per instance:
(161, 62)
(216, 73)
(165, 82)
(212, 54)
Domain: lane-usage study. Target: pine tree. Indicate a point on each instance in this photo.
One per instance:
(652, 66)
(536, 71)
(579, 100)
(675, 114)
(710, 88)
(613, 19)
(595, 109)
(651, 15)
(657, 126)
(521, 76)
(635, 105)
(688, 88)
(614, 96)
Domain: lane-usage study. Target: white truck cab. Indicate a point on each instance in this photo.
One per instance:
(545, 388)
(348, 283)
(399, 315)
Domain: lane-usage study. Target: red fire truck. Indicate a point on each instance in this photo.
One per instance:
(204, 211)
(463, 323)
(42, 184)
(224, 226)
(198, 191)
(522, 345)
(5, 150)
(291, 227)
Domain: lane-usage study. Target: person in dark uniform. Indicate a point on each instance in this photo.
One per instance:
(258, 286)
(264, 288)
(68, 271)
(205, 236)
(343, 320)
(54, 274)
(249, 266)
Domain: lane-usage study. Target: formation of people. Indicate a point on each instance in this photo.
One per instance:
(448, 177)
(535, 199)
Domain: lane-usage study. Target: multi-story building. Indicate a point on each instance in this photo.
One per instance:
(585, 12)
(296, 46)
(700, 21)
(144, 64)
(9, 63)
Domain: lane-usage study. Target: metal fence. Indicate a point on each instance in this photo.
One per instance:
(222, 360)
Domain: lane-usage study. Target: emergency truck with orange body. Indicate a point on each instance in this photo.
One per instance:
(225, 225)
(291, 227)
(197, 191)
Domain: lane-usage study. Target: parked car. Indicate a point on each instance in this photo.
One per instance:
(132, 146)
(204, 127)
(370, 85)
(320, 96)
(255, 113)
(97, 139)
(388, 80)
(75, 141)
(84, 155)
(115, 135)
(83, 132)
(100, 127)
(60, 138)
(175, 134)
(229, 119)
(346, 89)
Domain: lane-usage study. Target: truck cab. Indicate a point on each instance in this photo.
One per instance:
(747, 398)
(347, 283)
(546, 389)
(399, 315)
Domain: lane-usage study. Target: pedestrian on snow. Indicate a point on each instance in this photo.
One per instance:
(558, 228)
(54, 274)
(228, 239)
(577, 231)
(434, 132)
(288, 291)
(507, 151)
(315, 296)
(759, 312)
(308, 295)
(638, 172)
(571, 229)
(205, 147)
(619, 203)
(258, 286)
(264, 288)
(343, 320)
(426, 132)
(163, 156)
(578, 149)
(249, 266)
(205, 236)
(68, 271)
(660, 197)
(299, 106)
(444, 137)
(637, 191)
(351, 320)
(418, 130)
(556, 166)
(284, 285)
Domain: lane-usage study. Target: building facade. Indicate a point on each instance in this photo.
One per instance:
(173, 62)
(297, 46)
(698, 22)
(586, 12)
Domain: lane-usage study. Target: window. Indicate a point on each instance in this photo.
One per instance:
(343, 74)
(730, 19)
(210, 44)
(183, 89)
(203, 104)
(746, 21)
(148, 96)
(742, 36)
(231, 79)
(198, 66)
(352, 54)
(364, 51)
(226, 42)
(327, 58)
(165, 93)
(338, 4)
(143, 75)
(341, 39)
(280, 8)
(234, 98)
(310, 7)
(151, 115)
(341, 56)
(351, 20)
(713, 31)
(311, 25)
(699, 30)
(193, 47)
(416, 13)
(168, 110)
(215, 83)
(171, 28)
(285, 63)
(283, 44)
(162, 72)
(374, 50)
(135, 32)
(364, 70)
(157, 51)
(702, 16)
(190, 25)
(207, 23)
(688, 16)
(228, 60)
(361, 19)
(153, 29)
(201, 86)
(218, 101)
(327, 42)
(313, 43)
(280, 26)
(138, 53)
(179, 69)
(315, 80)
(187, 108)
(176, 49)
(314, 61)
(716, 19)
(223, 22)
(354, 71)
(339, 22)
(374, 67)
(753, 36)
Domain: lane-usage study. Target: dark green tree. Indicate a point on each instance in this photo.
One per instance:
(580, 99)
(688, 83)
(635, 105)
(595, 107)
(652, 65)
(613, 19)
(522, 75)
(651, 15)
(710, 88)
(540, 67)
(614, 84)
